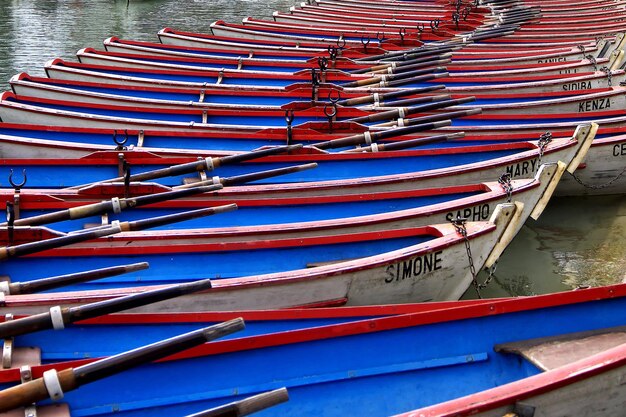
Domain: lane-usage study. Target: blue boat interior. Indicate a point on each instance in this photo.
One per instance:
(328, 168)
(216, 264)
(395, 370)
(264, 215)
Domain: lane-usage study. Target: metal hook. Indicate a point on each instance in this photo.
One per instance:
(330, 115)
(332, 106)
(402, 33)
(289, 116)
(341, 42)
(315, 82)
(120, 143)
(10, 222)
(434, 25)
(332, 52)
(322, 62)
(332, 99)
(380, 36)
(17, 187)
(126, 168)
(365, 42)
(466, 13)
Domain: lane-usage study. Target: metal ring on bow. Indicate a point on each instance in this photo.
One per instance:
(332, 52)
(333, 99)
(322, 62)
(402, 34)
(20, 185)
(333, 106)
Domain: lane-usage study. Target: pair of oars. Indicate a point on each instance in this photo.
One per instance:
(29, 248)
(55, 383)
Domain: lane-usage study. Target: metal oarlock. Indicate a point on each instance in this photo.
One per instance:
(332, 99)
(17, 187)
(289, 119)
(120, 143)
(330, 115)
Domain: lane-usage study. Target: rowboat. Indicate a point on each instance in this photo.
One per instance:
(396, 170)
(352, 269)
(285, 99)
(345, 210)
(607, 103)
(243, 60)
(461, 342)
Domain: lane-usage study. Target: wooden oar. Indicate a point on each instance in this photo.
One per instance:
(114, 205)
(416, 100)
(58, 317)
(409, 63)
(384, 97)
(400, 113)
(405, 144)
(432, 118)
(374, 136)
(44, 284)
(206, 164)
(410, 80)
(404, 77)
(253, 176)
(15, 251)
(247, 406)
(54, 384)
(410, 54)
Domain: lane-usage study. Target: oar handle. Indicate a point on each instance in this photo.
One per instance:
(54, 383)
(58, 317)
(442, 116)
(171, 195)
(123, 361)
(412, 143)
(235, 159)
(113, 205)
(248, 405)
(57, 242)
(378, 135)
(37, 390)
(44, 284)
(175, 218)
(256, 176)
(371, 98)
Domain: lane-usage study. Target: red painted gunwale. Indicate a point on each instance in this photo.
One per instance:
(494, 307)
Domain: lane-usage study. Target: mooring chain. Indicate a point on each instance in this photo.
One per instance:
(609, 75)
(601, 186)
(544, 140)
(459, 226)
(505, 183)
(593, 61)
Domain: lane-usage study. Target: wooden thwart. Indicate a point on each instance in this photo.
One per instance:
(552, 352)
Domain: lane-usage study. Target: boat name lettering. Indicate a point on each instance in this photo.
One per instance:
(522, 168)
(619, 149)
(580, 85)
(550, 60)
(474, 214)
(569, 71)
(414, 267)
(592, 105)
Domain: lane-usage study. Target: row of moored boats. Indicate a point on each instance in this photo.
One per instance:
(327, 184)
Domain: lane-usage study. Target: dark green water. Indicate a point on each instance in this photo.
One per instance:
(577, 241)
